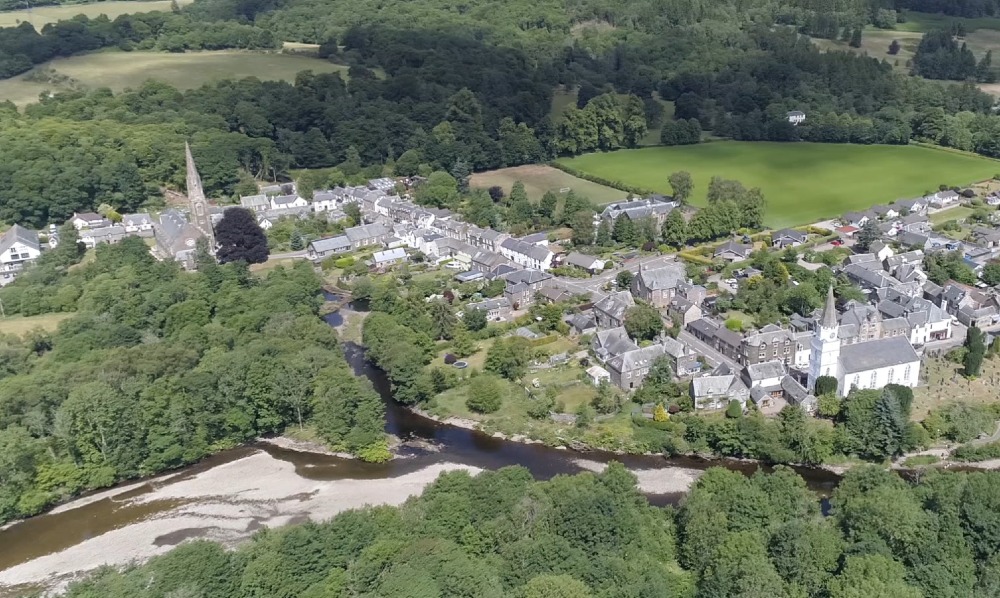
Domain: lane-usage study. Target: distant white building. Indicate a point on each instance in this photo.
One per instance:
(796, 116)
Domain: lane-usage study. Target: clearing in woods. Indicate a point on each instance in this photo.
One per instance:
(538, 179)
(120, 70)
(19, 325)
(39, 16)
(802, 182)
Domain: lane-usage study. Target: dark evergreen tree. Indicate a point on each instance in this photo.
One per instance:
(894, 47)
(975, 350)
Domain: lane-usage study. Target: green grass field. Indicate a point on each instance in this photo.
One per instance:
(802, 182)
(120, 70)
(538, 179)
(20, 326)
(41, 15)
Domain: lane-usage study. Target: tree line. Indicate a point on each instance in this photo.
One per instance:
(595, 536)
(158, 368)
(23, 46)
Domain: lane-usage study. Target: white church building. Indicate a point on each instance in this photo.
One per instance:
(863, 365)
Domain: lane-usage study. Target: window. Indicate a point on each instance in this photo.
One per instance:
(856, 380)
(874, 375)
(906, 372)
(891, 374)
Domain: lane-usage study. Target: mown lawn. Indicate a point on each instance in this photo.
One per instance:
(802, 182)
(120, 70)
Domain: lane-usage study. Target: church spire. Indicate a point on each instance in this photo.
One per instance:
(200, 215)
(829, 319)
(194, 189)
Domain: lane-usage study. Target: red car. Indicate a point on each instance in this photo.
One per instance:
(837, 243)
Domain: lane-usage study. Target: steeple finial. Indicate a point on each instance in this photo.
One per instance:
(829, 311)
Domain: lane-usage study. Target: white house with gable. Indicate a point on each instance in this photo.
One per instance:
(18, 247)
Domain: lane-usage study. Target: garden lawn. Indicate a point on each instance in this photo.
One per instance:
(802, 182)
(119, 70)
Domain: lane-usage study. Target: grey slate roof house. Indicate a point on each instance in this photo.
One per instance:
(715, 392)
(367, 234)
(629, 369)
(496, 309)
(658, 285)
(322, 248)
(788, 237)
(610, 311)
(732, 251)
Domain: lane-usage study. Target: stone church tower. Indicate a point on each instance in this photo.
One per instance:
(200, 215)
(824, 358)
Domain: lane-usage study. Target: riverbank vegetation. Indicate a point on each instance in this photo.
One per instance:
(536, 385)
(501, 534)
(157, 368)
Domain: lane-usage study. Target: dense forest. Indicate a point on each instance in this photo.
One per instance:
(501, 534)
(459, 87)
(157, 368)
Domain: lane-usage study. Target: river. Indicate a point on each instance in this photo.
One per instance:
(228, 496)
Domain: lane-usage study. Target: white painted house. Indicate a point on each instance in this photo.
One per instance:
(796, 117)
(287, 202)
(137, 223)
(18, 248)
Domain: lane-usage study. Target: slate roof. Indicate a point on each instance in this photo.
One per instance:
(713, 386)
(881, 353)
(586, 262)
(366, 231)
(137, 219)
(338, 243)
(790, 233)
(527, 276)
(666, 277)
(636, 358)
(254, 201)
(490, 304)
(389, 255)
(18, 233)
(535, 252)
(763, 371)
(734, 247)
(704, 326)
(616, 304)
(582, 322)
(614, 341)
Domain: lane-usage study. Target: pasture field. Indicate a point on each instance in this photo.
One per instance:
(19, 325)
(539, 178)
(802, 182)
(40, 16)
(875, 43)
(120, 70)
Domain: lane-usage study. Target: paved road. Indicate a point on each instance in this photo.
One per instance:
(291, 255)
